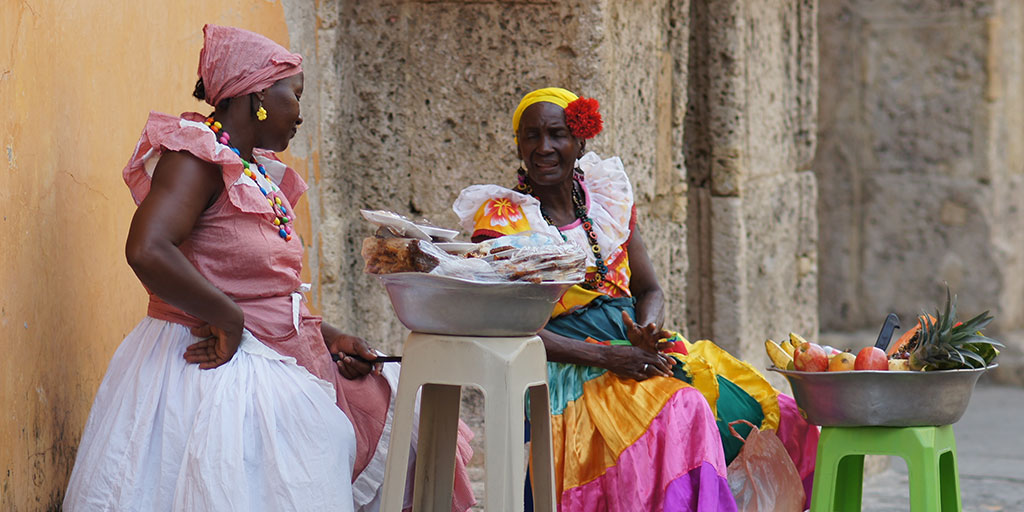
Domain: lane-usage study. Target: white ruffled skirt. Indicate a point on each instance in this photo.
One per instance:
(259, 433)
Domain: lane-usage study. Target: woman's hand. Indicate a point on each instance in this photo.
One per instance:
(648, 337)
(216, 346)
(637, 363)
(347, 346)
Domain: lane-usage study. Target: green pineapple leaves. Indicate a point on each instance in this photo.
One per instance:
(946, 344)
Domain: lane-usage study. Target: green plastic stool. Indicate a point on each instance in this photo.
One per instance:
(930, 453)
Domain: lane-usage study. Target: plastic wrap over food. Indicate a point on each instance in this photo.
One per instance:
(403, 227)
(388, 255)
(535, 257)
(473, 269)
(528, 257)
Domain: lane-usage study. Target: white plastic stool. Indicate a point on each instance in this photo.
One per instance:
(504, 368)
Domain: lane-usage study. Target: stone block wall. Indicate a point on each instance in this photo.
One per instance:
(416, 104)
(715, 124)
(710, 105)
(750, 137)
(920, 160)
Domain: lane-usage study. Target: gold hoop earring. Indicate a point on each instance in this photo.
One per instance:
(261, 113)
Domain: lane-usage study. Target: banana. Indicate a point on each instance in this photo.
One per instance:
(778, 356)
(788, 347)
(796, 339)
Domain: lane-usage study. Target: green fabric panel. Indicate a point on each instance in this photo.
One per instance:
(734, 404)
(565, 383)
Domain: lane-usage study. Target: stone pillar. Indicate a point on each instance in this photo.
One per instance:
(750, 135)
(921, 160)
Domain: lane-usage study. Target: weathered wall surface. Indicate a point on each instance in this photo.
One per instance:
(422, 108)
(425, 95)
(76, 85)
(920, 161)
(750, 136)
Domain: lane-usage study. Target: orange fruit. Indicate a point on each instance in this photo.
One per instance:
(842, 362)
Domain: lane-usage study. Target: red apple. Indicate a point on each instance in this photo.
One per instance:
(810, 357)
(871, 358)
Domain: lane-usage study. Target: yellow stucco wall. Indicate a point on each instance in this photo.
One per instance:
(77, 80)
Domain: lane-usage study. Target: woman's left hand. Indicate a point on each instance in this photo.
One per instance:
(648, 337)
(347, 346)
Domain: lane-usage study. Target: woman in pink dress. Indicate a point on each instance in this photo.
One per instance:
(225, 397)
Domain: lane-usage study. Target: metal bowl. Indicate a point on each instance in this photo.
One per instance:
(435, 304)
(883, 398)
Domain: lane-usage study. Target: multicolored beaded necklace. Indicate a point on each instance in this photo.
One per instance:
(579, 203)
(270, 191)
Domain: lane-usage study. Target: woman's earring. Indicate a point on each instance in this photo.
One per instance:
(521, 176)
(261, 113)
(577, 173)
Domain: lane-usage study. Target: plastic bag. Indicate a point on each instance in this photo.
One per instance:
(762, 477)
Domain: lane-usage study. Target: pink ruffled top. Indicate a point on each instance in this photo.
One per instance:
(235, 245)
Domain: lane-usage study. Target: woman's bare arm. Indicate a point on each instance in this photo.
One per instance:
(643, 284)
(182, 188)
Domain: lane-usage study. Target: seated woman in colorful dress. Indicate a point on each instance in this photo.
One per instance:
(639, 415)
(225, 397)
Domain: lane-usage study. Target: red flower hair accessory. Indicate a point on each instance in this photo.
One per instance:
(583, 119)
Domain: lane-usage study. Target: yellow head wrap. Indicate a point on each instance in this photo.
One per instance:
(556, 95)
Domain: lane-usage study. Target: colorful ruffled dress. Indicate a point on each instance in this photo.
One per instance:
(277, 427)
(661, 444)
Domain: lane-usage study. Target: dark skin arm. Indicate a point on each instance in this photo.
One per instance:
(643, 284)
(645, 335)
(182, 188)
(625, 361)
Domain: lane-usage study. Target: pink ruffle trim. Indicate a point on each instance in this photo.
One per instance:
(187, 133)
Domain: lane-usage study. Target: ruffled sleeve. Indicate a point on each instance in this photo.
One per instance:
(610, 199)
(188, 133)
(493, 211)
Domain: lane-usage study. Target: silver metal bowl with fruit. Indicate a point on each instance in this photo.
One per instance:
(883, 398)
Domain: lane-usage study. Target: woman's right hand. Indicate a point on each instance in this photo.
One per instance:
(215, 347)
(636, 363)
(649, 337)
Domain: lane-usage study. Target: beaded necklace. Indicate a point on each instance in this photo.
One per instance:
(580, 211)
(270, 191)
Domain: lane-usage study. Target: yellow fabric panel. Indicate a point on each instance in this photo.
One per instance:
(584, 454)
(704, 378)
(574, 298)
(610, 416)
(743, 375)
(616, 284)
(502, 216)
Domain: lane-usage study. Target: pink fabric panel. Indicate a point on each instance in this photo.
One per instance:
(681, 439)
(235, 62)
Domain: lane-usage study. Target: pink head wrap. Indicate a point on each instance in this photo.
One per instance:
(236, 62)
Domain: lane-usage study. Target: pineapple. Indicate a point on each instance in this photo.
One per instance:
(942, 343)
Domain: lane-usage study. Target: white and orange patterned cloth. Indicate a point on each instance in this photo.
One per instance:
(493, 211)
